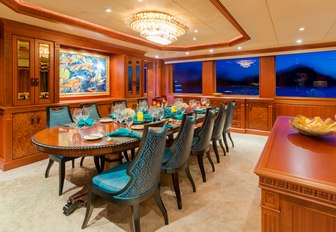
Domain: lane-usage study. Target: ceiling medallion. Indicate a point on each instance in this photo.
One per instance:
(158, 27)
(245, 63)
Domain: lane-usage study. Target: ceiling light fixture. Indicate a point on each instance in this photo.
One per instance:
(239, 48)
(211, 50)
(157, 27)
(301, 29)
(194, 38)
(187, 53)
(108, 10)
(299, 41)
(245, 63)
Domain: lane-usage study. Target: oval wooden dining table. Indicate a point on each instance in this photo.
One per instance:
(70, 142)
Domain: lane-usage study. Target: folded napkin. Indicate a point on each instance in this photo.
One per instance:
(112, 116)
(86, 122)
(177, 116)
(124, 132)
(170, 126)
(148, 116)
(200, 111)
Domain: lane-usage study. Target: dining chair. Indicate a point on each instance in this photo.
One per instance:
(218, 130)
(131, 183)
(56, 116)
(201, 141)
(176, 157)
(227, 125)
(123, 102)
(93, 110)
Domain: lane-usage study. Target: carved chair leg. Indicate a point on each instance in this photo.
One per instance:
(73, 163)
(222, 146)
(136, 217)
(89, 208)
(177, 189)
(132, 153)
(82, 161)
(201, 165)
(187, 169)
(97, 162)
(225, 141)
(214, 144)
(210, 160)
(51, 162)
(61, 177)
(160, 204)
(229, 134)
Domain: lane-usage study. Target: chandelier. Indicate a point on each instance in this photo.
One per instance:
(157, 27)
(245, 63)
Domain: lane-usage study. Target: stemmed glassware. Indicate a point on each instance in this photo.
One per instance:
(77, 115)
(192, 103)
(160, 113)
(207, 103)
(85, 113)
(129, 122)
(203, 101)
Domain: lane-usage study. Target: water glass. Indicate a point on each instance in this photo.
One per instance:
(129, 122)
(85, 113)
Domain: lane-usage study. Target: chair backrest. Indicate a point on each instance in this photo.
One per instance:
(219, 122)
(93, 109)
(204, 134)
(58, 115)
(181, 146)
(228, 121)
(145, 169)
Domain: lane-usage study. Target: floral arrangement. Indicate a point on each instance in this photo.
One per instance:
(128, 113)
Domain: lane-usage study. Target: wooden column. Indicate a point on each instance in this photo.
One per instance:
(208, 78)
(118, 75)
(267, 77)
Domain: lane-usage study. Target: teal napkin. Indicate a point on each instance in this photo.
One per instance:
(170, 126)
(112, 116)
(87, 122)
(124, 132)
(200, 111)
(178, 116)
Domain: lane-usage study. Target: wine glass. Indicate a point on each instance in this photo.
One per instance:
(85, 113)
(192, 103)
(203, 101)
(197, 105)
(161, 113)
(77, 116)
(129, 122)
(207, 103)
(119, 117)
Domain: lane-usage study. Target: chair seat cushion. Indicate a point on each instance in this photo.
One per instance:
(167, 155)
(114, 179)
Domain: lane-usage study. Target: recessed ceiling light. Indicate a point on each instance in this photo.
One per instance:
(239, 48)
(157, 56)
(196, 31)
(301, 29)
(211, 50)
(108, 10)
(299, 41)
(194, 38)
(187, 53)
(140, 0)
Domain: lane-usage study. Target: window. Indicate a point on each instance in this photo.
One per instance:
(238, 76)
(306, 74)
(187, 77)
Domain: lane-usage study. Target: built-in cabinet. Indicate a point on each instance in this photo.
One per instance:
(258, 114)
(33, 71)
(134, 77)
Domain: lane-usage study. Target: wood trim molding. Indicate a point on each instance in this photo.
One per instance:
(306, 192)
(19, 6)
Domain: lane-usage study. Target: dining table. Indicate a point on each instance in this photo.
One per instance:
(71, 141)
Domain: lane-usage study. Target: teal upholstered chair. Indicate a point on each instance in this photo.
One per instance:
(56, 116)
(133, 182)
(218, 130)
(93, 110)
(201, 141)
(176, 157)
(228, 122)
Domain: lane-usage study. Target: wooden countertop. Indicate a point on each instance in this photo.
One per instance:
(303, 161)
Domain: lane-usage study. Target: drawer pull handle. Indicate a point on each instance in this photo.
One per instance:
(32, 120)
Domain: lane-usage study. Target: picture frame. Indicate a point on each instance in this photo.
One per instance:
(83, 74)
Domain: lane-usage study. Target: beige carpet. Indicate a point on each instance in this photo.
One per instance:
(228, 201)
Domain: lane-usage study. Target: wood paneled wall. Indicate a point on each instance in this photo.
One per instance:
(208, 77)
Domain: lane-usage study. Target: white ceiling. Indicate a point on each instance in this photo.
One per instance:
(269, 23)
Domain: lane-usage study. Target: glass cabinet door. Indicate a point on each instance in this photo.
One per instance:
(23, 70)
(134, 77)
(44, 70)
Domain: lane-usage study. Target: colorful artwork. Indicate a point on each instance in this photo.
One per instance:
(83, 74)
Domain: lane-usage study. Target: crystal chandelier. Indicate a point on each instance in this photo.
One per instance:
(245, 63)
(157, 27)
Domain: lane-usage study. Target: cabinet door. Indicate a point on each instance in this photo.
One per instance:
(23, 70)
(257, 115)
(134, 77)
(44, 70)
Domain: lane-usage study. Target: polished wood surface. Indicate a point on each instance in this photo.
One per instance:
(298, 182)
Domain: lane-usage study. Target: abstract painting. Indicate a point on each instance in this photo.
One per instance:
(83, 74)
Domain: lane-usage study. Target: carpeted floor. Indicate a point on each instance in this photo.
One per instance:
(227, 202)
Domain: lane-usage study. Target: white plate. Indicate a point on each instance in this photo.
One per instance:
(137, 127)
(93, 136)
(105, 120)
